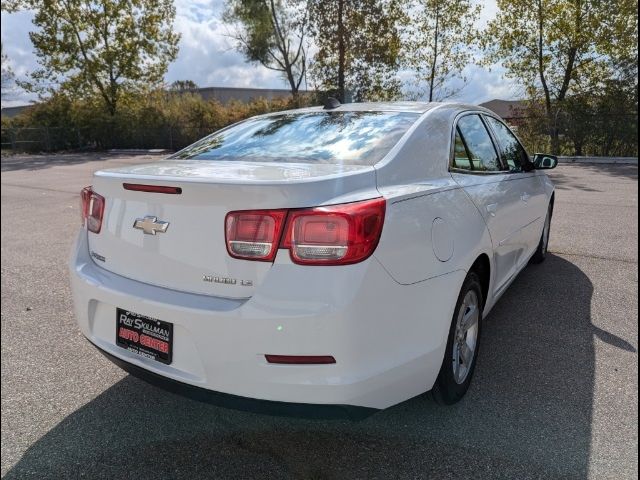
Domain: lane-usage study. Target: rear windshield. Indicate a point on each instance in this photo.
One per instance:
(350, 138)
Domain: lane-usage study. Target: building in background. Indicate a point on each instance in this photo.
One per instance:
(512, 111)
(226, 94)
(13, 111)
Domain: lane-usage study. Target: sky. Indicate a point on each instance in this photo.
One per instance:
(207, 56)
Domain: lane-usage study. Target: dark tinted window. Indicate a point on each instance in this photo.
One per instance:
(480, 148)
(513, 154)
(354, 138)
(461, 158)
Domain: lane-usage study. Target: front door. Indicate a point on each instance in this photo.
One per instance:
(529, 188)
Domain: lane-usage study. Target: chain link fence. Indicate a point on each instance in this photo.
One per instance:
(51, 139)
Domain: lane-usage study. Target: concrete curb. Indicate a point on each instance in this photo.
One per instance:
(138, 151)
(600, 160)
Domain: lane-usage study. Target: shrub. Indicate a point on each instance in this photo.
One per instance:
(158, 119)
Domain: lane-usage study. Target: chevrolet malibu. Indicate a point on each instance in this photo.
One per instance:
(313, 262)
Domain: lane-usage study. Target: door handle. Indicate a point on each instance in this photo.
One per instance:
(525, 197)
(492, 208)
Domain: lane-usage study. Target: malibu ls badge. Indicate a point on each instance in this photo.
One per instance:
(150, 225)
(226, 280)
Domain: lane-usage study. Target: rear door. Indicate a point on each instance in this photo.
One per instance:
(476, 166)
(529, 187)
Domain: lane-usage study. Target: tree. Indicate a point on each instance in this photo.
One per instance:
(555, 48)
(182, 86)
(107, 47)
(358, 45)
(8, 76)
(439, 41)
(272, 33)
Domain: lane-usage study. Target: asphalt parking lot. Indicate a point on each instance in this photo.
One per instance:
(555, 392)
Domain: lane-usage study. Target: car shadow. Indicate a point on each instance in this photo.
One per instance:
(528, 414)
(565, 180)
(628, 171)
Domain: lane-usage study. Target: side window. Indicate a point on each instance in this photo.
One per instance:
(461, 158)
(480, 149)
(513, 154)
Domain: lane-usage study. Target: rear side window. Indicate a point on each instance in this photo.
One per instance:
(513, 154)
(344, 138)
(480, 150)
(461, 158)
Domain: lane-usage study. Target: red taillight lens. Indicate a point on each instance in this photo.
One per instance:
(85, 197)
(254, 235)
(92, 209)
(335, 235)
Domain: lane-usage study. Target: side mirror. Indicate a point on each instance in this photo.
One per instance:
(542, 161)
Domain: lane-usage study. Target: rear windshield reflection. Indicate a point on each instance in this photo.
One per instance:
(350, 138)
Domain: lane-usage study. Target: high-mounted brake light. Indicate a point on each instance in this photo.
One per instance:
(92, 209)
(333, 235)
(255, 234)
(136, 187)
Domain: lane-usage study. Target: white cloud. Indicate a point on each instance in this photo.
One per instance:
(208, 58)
(18, 48)
(206, 52)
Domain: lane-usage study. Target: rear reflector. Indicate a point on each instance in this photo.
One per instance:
(136, 187)
(255, 234)
(301, 359)
(92, 209)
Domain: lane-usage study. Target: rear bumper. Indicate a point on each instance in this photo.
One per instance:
(235, 402)
(388, 339)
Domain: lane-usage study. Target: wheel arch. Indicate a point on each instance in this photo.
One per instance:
(482, 267)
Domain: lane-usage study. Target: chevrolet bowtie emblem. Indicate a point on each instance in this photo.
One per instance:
(150, 225)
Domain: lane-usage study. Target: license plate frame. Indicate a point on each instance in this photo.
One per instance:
(145, 336)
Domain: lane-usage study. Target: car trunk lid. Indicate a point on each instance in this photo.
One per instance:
(188, 251)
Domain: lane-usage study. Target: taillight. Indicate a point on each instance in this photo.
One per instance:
(254, 235)
(333, 235)
(92, 209)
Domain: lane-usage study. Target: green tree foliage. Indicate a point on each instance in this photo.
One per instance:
(358, 45)
(557, 48)
(182, 86)
(110, 47)
(158, 119)
(602, 121)
(272, 33)
(439, 42)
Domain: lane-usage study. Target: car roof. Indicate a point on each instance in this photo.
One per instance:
(409, 107)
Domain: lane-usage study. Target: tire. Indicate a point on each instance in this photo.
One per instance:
(543, 247)
(455, 376)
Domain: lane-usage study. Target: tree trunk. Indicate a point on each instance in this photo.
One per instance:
(341, 52)
(554, 134)
(432, 79)
(548, 106)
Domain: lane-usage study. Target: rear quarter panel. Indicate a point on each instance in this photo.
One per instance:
(431, 227)
(431, 232)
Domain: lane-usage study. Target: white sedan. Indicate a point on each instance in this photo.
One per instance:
(319, 261)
